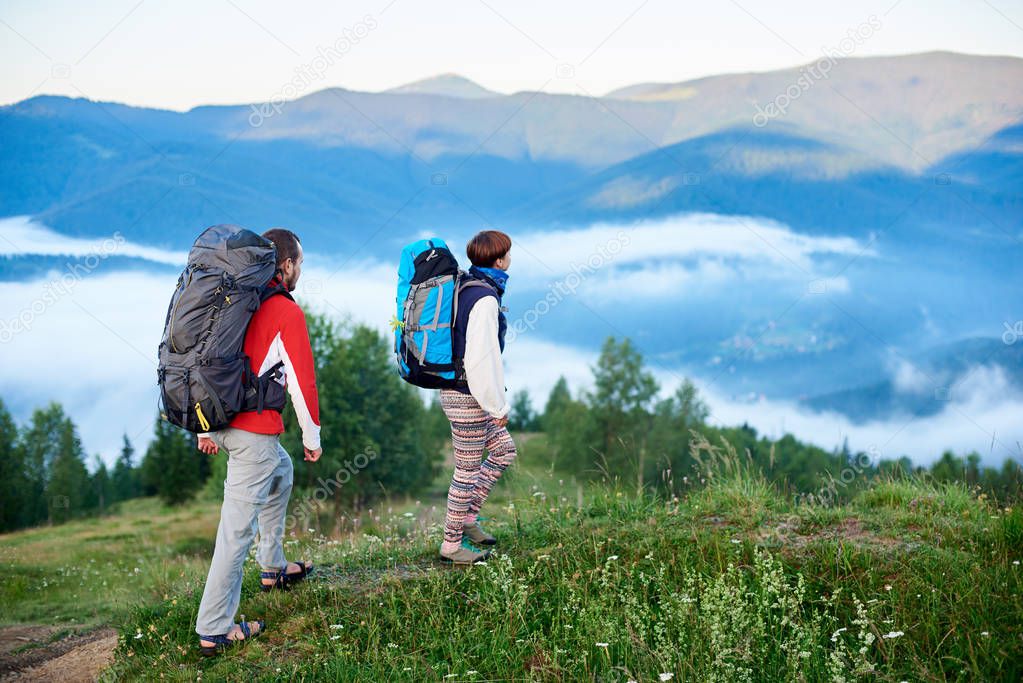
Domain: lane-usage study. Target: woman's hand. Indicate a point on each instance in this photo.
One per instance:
(501, 421)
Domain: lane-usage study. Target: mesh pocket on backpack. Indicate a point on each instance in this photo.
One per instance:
(431, 340)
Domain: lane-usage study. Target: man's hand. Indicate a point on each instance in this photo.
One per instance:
(501, 421)
(313, 456)
(208, 446)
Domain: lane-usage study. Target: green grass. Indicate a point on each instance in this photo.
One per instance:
(96, 571)
(728, 582)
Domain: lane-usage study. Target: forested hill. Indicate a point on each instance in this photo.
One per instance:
(623, 429)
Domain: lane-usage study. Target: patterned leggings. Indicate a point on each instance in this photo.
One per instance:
(472, 429)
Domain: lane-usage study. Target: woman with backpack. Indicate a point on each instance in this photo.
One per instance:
(478, 408)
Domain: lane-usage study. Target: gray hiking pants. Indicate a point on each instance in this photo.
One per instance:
(256, 492)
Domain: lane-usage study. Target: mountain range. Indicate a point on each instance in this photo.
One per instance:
(339, 165)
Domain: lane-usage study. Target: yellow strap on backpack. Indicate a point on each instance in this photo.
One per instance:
(203, 422)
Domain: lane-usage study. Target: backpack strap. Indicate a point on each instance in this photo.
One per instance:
(465, 281)
(270, 290)
(263, 380)
(259, 383)
(474, 282)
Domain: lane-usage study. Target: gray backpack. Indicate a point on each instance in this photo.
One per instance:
(204, 376)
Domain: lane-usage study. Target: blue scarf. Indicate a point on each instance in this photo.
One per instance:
(498, 276)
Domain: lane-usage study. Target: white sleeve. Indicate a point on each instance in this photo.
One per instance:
(484, 369)
(310, 430)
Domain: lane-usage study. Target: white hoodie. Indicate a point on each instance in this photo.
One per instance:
(484, 370)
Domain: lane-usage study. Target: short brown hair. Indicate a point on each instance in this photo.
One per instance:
(486, 247)
(286, 242)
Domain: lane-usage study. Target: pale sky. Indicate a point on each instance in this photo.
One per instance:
(182, 53)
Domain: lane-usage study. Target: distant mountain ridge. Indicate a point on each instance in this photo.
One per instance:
(340, 164)
(447, 85)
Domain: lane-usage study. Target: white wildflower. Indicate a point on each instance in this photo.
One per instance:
(893, 634)
(601, 644)
(666, 676)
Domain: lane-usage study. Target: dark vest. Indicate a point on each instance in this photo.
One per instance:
(467, 298)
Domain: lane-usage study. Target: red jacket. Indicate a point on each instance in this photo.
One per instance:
(277, 333)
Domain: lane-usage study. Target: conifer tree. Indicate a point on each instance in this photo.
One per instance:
(13, 484)
(556, 401)
(67, 479)
(522, 417)
(125, 477)
(171, 468)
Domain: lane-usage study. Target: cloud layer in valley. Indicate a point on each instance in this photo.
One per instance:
(93, 349)
(982, 415)
(23, 236)
(692, 247)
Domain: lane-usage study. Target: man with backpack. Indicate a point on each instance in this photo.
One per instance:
(259, 470)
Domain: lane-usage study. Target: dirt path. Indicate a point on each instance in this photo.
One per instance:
(77, 658)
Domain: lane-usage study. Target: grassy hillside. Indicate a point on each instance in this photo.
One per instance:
(731, 581)
(94, 571)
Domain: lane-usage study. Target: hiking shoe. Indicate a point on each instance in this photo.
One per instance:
(467, 553)
(475, 533)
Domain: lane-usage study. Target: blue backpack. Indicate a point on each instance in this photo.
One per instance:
(429, 282)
